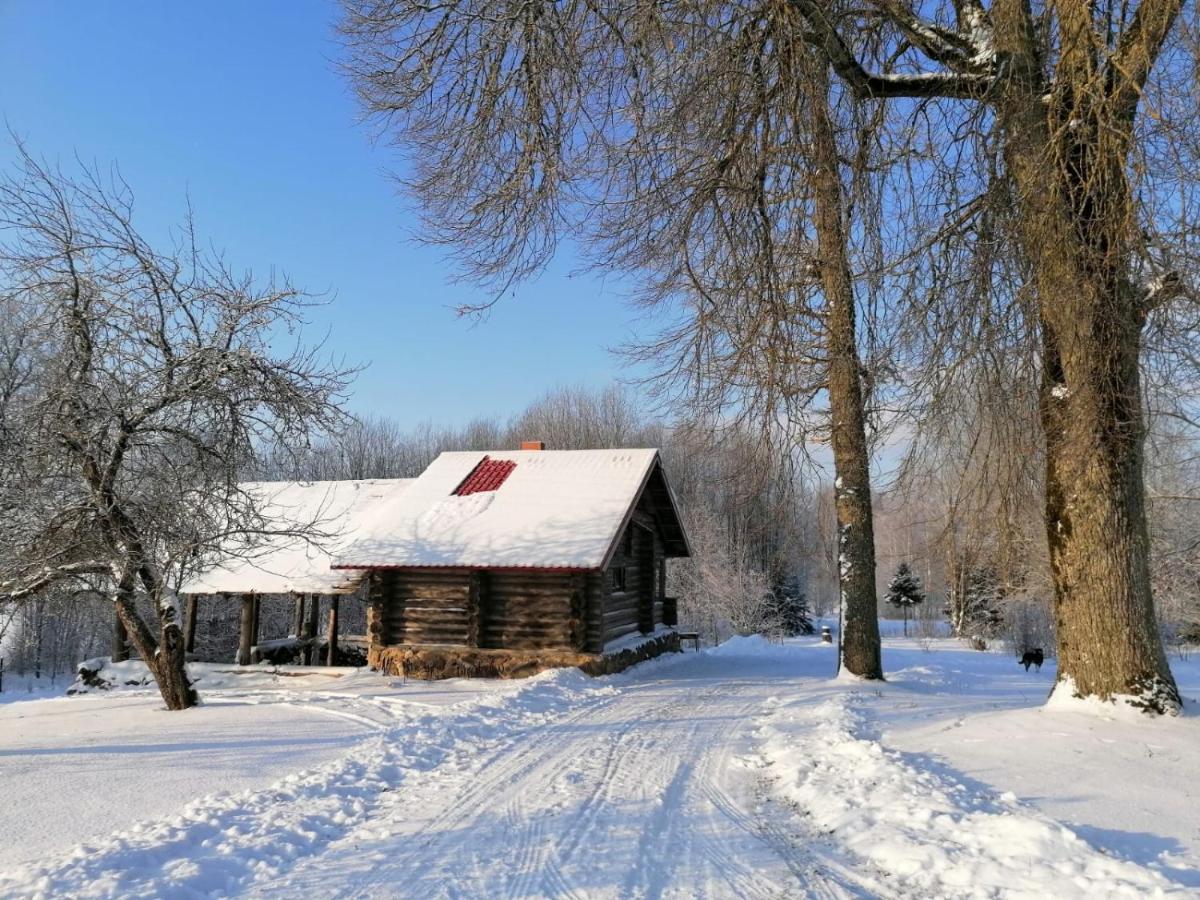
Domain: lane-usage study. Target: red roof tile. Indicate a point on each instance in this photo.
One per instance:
(487, 476)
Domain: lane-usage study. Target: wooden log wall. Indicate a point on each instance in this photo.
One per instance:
(534, 610)
(426, 606)
(519, 610)
(594, 591)
(639, 606)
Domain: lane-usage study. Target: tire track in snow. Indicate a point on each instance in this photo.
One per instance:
(620, 798)
(224, 844)
(412, 854)
(738, 879)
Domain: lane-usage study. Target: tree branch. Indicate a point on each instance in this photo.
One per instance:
(1138, 49)
(864, 84)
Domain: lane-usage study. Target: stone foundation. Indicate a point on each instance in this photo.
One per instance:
(609, 663)
(433, 662)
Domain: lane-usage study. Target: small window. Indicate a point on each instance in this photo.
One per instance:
(618, 578)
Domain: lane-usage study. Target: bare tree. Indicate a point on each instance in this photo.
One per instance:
(158, 382)
(723, 588)
(581, 419)
(1064, 82)
(713, 174)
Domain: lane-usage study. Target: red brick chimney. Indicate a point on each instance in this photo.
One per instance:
(533, 445)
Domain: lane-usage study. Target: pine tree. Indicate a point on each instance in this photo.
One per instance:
(974, 601)
(983, 597)
(791, 609)
(904, 591)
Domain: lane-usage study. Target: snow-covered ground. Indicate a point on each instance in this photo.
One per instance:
(742, 771)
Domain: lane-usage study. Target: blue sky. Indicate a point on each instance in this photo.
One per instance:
(238, 106)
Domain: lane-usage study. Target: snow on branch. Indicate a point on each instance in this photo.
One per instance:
(969, 55)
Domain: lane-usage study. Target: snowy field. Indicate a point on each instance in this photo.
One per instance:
(744, 771)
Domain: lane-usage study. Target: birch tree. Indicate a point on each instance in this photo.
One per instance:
(157, 381)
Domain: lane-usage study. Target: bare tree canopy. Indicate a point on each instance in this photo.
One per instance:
(685, 143)
(157, 378)
(1061, 90)
(712, 173)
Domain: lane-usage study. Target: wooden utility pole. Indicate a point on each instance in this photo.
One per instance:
(310, 627)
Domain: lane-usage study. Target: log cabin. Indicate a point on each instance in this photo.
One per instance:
(499, 563)
(504, 563)
(302, 524)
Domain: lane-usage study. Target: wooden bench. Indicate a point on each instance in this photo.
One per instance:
(693, 636)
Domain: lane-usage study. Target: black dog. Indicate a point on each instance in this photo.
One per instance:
(1033, 658)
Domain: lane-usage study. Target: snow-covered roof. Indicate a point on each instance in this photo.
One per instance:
(289, 563)
(553, 509)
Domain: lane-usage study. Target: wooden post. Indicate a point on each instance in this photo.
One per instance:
(246, 636)
(332, 639)
(310, 626)
(189, 624)
(476, 601)
(578, 601)
(120, 645)
(257, 613)
(299, 620)
(377, 591)
(644, 548)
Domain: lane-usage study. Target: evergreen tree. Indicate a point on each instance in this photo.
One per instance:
(791, 609)
(983, 597)
(904, 591)
(974, 602)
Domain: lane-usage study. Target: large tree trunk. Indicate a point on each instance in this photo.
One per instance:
(851, 457)
(1067, 160)
(170, 669)
(164, 657)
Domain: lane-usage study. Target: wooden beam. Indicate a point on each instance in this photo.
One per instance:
(578, 620)
(246, 634)
(189, 624)
(298, 625)
(331, 653)
(644, 551)
(310, 626)
(378, 586)
(475, 610)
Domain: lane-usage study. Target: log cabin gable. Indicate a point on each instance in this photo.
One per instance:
(654, 507)
(633, 583)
